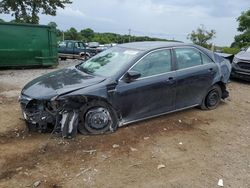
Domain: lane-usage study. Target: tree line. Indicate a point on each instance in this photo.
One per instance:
(89, 35)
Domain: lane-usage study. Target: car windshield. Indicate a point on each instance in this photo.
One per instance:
(109, 62)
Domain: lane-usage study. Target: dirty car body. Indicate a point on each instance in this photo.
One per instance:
(125, 84)
(241, 65)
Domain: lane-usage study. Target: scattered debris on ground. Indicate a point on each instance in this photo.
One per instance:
(220, 183)
(116, 146)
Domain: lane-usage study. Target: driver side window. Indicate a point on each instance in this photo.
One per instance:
(157, 62)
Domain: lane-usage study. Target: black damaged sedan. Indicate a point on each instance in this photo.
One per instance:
(125, 84)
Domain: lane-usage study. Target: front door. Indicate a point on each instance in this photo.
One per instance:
(151, 94)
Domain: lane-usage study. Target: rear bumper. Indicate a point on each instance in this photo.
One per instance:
(238, 72)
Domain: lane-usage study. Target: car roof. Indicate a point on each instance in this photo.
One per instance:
(148, 46)
(145, 46)
(71, 41)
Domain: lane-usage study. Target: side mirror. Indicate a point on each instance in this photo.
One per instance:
(132, 75)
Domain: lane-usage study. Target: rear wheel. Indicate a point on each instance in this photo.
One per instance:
(212, 98)
(84, 56)
(97, 117)
(63, 58)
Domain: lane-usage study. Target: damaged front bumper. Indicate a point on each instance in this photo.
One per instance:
(47, 116)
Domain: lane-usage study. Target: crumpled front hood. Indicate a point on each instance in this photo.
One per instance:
(243, 55)
(59, 82)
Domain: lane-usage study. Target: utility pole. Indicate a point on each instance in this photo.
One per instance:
(129, 34)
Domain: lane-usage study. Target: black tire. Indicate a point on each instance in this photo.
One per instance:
(212, 98)
(63, 58)
(97, 117)
(84, 56)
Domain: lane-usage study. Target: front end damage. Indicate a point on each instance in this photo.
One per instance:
(54, 115)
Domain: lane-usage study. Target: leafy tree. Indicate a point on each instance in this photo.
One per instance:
(26, 11)
(52, 24)
(87, 34)
(72, 34)
(244, 21)
(1, 20)
(103, 38)
(243, 39)
(201, 36)
(58, 32)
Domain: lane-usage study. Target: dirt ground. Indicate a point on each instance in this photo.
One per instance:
(192, 148)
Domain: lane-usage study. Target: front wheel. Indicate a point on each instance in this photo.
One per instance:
(97, 117)
(212, 98)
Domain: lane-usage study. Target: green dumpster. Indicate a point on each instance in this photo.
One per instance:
(23, 45)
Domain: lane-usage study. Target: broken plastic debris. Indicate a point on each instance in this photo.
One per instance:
(146, 138)
(220, 182)
(137, 164)
(90, 151)
(104, 157)
(180, 143)
(116, 146)
(164, 129)
(180, 121)
(82, 172)
(133, 149)
(19, 168)
(37, 183)
(160, 166)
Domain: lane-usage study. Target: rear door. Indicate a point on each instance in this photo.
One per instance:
(195, 75)
(151, 94)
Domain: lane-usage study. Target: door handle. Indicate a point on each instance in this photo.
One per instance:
(170, 80)
(211, 70)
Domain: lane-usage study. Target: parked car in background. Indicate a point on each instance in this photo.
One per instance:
(93, 44)
(76, 50)
(241, 65)
(125, 84)
(103, 47)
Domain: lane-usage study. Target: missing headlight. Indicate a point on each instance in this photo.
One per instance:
(34, 106)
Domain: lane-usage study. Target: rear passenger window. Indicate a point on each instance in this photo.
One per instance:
(206, 59)
(188, 57)
(70, 45)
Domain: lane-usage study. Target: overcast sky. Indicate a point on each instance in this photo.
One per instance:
(172, 19)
